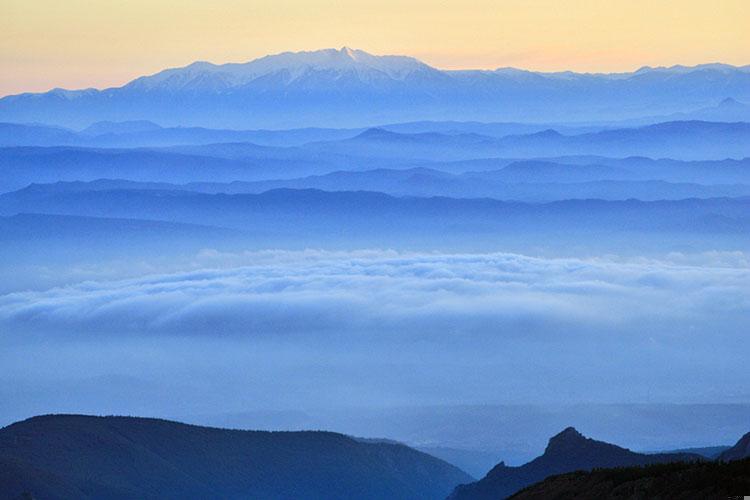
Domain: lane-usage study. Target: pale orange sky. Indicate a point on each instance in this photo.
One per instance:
(86, 43)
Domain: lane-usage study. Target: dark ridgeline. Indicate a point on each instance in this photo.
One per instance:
(676, 480)
(568, 451)
(76, 456)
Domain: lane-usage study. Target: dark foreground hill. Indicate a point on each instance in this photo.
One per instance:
(738, 451)
(676, 480)
(566, 452)
(76, 456)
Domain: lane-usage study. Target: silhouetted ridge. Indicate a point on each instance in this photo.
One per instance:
(77, 456)
(738, 451)
(567, 451)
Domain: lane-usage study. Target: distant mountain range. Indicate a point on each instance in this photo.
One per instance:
(728, 110)
(568, 451)
(692, 140)
(311, 212)
(319, 219)
(76, 456)
(683, 140)
(520, 181)
(352, 88)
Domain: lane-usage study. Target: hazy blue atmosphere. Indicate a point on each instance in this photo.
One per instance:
(463, 261)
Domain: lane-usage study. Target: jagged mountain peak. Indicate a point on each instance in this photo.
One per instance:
(568, 433)
(566, 440)
(567, 451)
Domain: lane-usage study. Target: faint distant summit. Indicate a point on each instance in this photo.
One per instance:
(681, 69)
(110, 127)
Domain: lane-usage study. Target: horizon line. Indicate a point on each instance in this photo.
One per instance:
(347, 48)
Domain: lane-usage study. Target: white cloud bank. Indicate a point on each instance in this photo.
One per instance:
(387, 293)
(281, 329)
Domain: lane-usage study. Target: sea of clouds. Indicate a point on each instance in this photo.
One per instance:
(386, 293)
(286, 329)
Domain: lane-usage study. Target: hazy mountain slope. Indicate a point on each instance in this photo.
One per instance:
(311, 218)
(728, 110)
(691, 140)
(143, 133)
(228, 162)
(537, 171)
(677, 480)
(24, 165)
(688, 140)
(16, 134)
(32, 245)
(491, 129)
(566, 452)
(739, 451)
(475, 462)
(709, 452)
(703, 172)
(126, 457)
(423, 183)
(426, 183)
(315, 210)
(104, 128)
(421, 146)
(517, 433)
(97, 231)
(168, 136)
(557, 168)
(350, 88)
(33, 238)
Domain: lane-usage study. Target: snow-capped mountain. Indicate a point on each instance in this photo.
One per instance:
(346, 87)
(287, 68)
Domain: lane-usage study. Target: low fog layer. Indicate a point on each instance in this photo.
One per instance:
(312, 329)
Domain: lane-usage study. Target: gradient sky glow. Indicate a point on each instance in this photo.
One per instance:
(86, 43)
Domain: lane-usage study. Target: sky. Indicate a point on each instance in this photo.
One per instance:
(84, 43)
